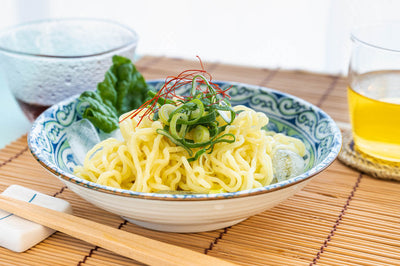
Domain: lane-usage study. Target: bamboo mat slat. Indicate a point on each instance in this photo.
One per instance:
(341, 217)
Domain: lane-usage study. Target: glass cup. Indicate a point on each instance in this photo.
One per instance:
(47, 61)
(374, 90)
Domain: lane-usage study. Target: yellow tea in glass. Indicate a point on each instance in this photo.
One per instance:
(374, 91)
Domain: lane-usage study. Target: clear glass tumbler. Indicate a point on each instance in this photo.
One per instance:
(47, 61)
(374, 90)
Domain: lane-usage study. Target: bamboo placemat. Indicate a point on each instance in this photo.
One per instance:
(341, 217)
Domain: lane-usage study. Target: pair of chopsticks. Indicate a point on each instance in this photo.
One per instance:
(130, 245)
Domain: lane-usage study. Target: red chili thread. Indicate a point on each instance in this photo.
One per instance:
(172, 83)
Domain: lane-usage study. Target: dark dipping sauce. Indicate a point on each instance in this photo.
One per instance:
(32, 110)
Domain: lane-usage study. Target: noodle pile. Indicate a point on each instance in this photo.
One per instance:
(149, 162)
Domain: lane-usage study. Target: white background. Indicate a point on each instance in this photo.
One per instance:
(297, 34)
(311, 35)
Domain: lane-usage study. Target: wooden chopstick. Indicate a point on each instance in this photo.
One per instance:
(133, 246)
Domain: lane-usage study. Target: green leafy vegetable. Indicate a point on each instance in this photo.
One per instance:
(122, 90)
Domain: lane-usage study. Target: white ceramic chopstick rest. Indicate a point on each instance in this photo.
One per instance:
(18, 234)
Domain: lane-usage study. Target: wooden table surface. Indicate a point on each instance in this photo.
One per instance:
(342, 217)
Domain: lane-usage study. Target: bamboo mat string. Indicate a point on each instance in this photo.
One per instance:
(91, 251)
(327, 92)
(14, 156)
(60, 191)
(269, 77)
(337, 222)
(215, 242)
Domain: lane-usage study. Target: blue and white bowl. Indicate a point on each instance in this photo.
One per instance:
(194, 212)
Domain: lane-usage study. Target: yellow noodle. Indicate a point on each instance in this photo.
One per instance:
(149, 162)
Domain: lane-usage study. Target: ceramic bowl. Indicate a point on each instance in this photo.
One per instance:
(194, 212)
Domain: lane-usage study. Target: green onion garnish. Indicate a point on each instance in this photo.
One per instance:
(191, 121)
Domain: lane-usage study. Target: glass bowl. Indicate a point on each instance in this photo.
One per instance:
(45, 62)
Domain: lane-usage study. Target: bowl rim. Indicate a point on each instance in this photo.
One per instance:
(133, 41)
(67, 177)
